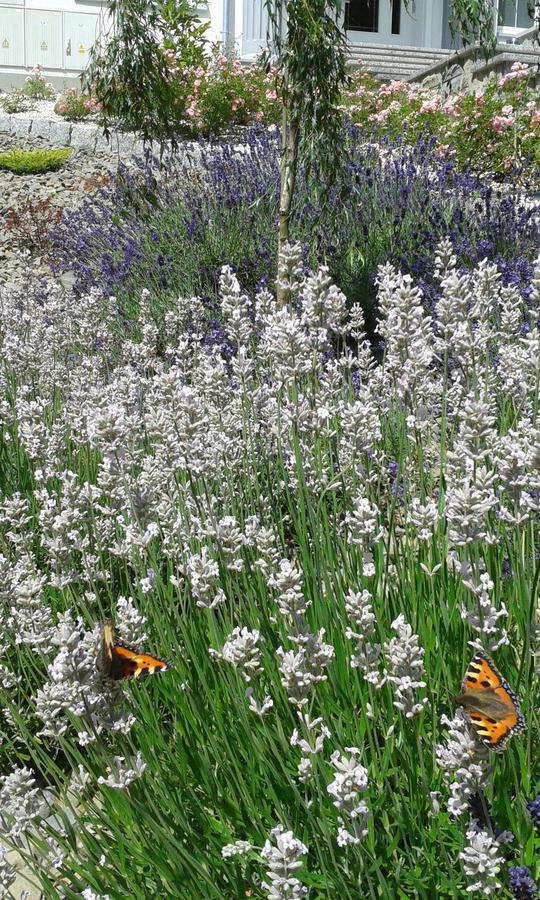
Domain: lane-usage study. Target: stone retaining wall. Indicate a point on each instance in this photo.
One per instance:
(79, 135)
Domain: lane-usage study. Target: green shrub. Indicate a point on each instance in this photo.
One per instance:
(74, 104)
(139, 41)
(33, 162)
(36, 87)
(225, 92)
(16, 102)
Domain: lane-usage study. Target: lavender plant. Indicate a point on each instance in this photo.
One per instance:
(172, 230)
(317, 541)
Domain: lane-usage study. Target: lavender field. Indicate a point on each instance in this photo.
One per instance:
(314, 525)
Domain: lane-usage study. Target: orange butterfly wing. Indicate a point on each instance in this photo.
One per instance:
(494, 730)
(117, 661)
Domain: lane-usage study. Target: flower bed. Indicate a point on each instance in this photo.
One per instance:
(495, 130)
(314, 541)
(173, 234)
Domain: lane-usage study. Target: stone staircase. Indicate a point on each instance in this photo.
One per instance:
(388, 62)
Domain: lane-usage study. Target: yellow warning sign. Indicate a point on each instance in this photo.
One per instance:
(44, 45)
(81, 48)
(5, 43)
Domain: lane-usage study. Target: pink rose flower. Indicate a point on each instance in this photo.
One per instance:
(500, 123)
(429, 106)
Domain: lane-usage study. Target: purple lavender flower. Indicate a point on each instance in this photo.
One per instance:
(521, 884)
(534, 811)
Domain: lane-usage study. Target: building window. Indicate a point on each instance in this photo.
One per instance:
(362, 15)
(515, 13)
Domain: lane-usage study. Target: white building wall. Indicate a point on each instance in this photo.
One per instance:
(211, 12)
(421, 27)
(56, 34)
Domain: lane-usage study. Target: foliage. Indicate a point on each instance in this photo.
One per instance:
(35, 87)
(309, 49)
(224, 93)
(172, 229)
(496, 129)
(16, 102)
(313, 540)
(129, 72)
(33, 162)
(30, 223)
(74, 105)
(474, 22)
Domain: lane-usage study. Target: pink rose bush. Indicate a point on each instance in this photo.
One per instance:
(74, 104)
(224, 92)
(496, 129)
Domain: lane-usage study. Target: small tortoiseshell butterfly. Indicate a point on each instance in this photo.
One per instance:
(490, 703)
(117, 661)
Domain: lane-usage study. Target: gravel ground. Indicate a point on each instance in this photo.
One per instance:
(81, 174)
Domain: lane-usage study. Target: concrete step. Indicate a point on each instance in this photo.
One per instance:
(388, 61)
(402, 58)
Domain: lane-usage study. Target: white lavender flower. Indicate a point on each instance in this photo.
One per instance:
(463, 761)
(123, 771)
(482, 862)
(468, 501)
(358, 605)
(363, 529)
(241, 650)
(367, 655)
(301, 670)
(404, 660)
(203, 574)
(316, 733)
(235, 307)
(484, 618)
(239, 848)
(288, 585)
(21, 801)
(424, 517)
(350, 781)
(324, 306)
(260, 708)
(80, 779)
(76, 686)
(290, 273)
(282, 856)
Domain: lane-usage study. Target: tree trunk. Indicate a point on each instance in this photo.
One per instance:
(288, 169)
